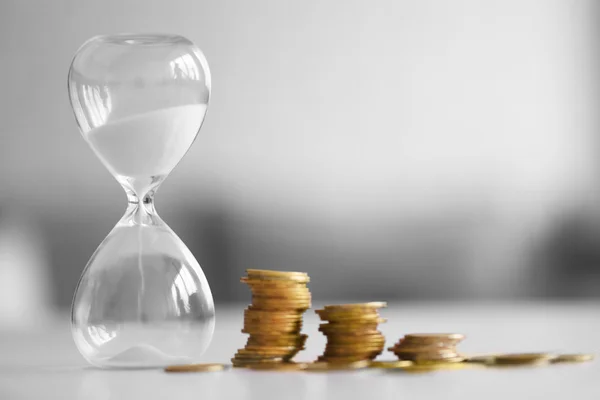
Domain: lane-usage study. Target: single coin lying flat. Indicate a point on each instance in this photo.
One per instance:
(196, 368)
(523, 358)
(572, 358)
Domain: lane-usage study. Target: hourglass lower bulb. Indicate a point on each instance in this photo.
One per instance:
(142, 300)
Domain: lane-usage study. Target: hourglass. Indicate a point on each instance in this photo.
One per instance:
(142, 300)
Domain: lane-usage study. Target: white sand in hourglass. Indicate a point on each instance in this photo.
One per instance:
(149, 144)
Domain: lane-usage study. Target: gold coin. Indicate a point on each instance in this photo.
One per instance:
(278, 304)
(298, 345)
(425, 352)
(332, 333)
(429, 340)
(274, 285)
(251, 323)
(349, 357)
(572, 358)
(336, 366)
(354, 321)
(254, 358)
(329, 315)
(349, 326)
(284, 366)
(424, 358)
(196, 368)
(267, 321)
(279, 299)
(345, 359)
(415, 354)
(277, 275)
(417, 368)
(284, 307)
(261, 328)
(280, 289)
(522, 358)
(435, 361)
(244, 355)
(245, 362)
(274, 325)
(482, 359)
(343, 337)
(270, 272)
(278, 338)
(334, 342)
(276, 280)
(391, 364)
(287, 296)
(434, 336)
(424, 349)
(357, 347)
(365, 353)
(350, 323)
(281, 294)
(285, 338)
(274, 315)
(266, 329)
(272, 331)
(371, 326)
(357, 332)
(358, 306)
(269, 352)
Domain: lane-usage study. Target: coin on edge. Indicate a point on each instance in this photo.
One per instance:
(196, 368)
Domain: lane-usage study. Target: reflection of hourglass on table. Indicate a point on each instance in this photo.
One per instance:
(143, 300)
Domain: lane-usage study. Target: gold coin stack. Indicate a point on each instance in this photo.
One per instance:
(424, 348)
(274, 319)
(351, 332)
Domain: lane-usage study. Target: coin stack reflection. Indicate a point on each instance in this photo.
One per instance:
(274, 319)
(351, 332)
(428, 348)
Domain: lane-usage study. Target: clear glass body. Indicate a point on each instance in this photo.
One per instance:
(142, 300)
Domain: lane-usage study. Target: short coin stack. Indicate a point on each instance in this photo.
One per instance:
(423, 348)
(274, 319)
(351, 332)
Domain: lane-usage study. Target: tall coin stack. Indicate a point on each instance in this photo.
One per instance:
(274, 319)
(429, 348)
(351, 332)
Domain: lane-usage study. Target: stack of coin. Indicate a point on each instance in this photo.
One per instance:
(274, 319)
(351, 332)
(428, 348)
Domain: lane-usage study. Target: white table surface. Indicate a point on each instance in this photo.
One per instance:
(43, 363)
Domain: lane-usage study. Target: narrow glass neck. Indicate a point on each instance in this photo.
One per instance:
(140, 211)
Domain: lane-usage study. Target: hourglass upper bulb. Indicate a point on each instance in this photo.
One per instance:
(140, 101)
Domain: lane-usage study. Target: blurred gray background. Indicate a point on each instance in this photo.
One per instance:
(393, 149)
